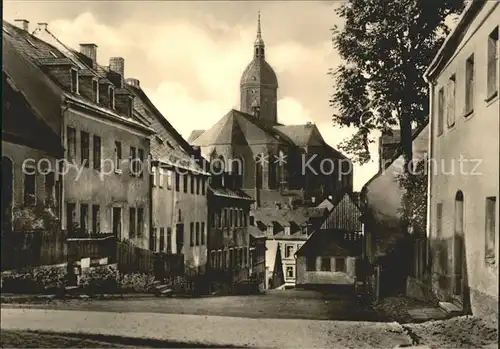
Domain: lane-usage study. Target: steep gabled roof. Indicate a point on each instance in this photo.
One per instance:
(302, 135)
(194, 135)
(344, 217)
(324, 243)
(39, 53)
(236, 128)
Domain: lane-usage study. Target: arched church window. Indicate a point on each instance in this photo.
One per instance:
(258, 171)
(237, 169)
(217, 169)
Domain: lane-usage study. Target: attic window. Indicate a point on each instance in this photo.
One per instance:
(130, 106)
(111, 95)
(95, 89)
(170, 145)
(74, 80)
(159, 139)
(53, 54)
(31, 43)
(287, 230)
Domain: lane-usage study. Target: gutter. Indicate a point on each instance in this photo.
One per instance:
(109, 116)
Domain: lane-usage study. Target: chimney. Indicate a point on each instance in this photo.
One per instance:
(117, 65)
(133, 82)
(41, 26)
(90, 50)
(22, 23)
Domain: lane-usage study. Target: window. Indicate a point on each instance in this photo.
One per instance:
(118, 156)
(140, 221)
(162, 239)
(74, 80)
(287, 230)
(310, 263)
(140, 165)
(152, 240)
(71, 223)
(197, 233)
(85, 148)
(439, 220)
(288, 251)
(230, 217)
(161, 173)
(440, 111)
(153, 175)
(245, 219)
(185, 183)
(177, 181)
(219, 218)
(96, 219)
(198, 185)
(95, 90)
(132, 222)
(30, 189)
(290, 273)
(169, 240)
(202, 233)
(225, 218)
(203, 189)
(450, 110)
(326, 264)
(130, 106)
(192, 184)
(169, 180)
(133, 162)
(469, 85)
(111, 95)
(117, 222)
(191, 233)
(490, 229)
(493, 63)
(251, 219)
(84, 217)
(97, 153)
(71, 143)
(340, 265)
(50, 186)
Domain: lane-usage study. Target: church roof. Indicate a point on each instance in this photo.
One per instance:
(235, 128)
(195, 134)
(259, 72)
(302, 135)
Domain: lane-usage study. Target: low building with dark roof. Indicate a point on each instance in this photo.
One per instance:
(330, 256)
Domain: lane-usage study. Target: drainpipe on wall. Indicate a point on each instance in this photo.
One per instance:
(62, 206)
(430, 171)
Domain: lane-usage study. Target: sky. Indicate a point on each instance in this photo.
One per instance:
(189, 55)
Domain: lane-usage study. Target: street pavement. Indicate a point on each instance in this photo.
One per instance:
(210, 330)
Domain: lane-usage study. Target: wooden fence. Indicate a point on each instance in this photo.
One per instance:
(25, 250)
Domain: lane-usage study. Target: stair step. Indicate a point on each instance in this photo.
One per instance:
(450, 308)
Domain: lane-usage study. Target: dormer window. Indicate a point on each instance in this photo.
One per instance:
(111, 95)
(287, 230)
(74, 80)
(95, 89)
(131, 106)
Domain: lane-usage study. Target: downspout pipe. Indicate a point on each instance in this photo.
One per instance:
(430, 170)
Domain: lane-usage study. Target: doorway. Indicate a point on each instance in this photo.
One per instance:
(7, 185)
(459, 266)
(117, 222)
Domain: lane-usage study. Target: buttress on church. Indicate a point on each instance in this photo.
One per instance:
(277, 165)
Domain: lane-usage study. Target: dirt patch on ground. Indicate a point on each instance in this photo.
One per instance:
(396, 308)
(459, 332)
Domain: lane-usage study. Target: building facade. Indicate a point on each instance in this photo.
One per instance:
(179, 187)
(229, 239)
(464, 173)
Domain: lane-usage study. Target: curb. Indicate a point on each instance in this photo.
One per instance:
(27, 298)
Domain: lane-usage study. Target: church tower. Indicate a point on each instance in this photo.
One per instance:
(259, 85)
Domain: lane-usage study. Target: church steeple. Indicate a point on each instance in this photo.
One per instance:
(259, 47)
